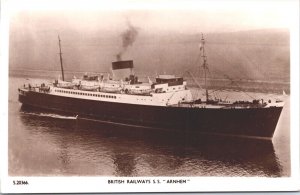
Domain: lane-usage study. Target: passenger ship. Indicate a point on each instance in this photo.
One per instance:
(165, 104)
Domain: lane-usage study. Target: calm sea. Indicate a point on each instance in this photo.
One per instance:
(47, 144)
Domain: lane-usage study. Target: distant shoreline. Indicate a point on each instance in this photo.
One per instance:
(213, 84)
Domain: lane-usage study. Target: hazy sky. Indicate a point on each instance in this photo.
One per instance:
(90, 32)
(154, 16)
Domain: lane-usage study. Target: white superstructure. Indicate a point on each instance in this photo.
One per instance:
(164, 92)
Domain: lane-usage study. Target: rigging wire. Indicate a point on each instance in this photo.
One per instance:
(256, 64)
(232, 80)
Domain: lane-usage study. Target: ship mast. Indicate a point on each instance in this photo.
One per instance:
(204, 65)
(60, 57)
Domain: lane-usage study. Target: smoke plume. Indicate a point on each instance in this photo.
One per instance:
(128, 38)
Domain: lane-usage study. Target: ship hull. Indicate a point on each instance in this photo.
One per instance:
(249, 122)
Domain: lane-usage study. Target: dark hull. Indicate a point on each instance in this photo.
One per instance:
(254, 122)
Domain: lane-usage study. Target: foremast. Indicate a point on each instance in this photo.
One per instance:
(204, 65)
(60, 57)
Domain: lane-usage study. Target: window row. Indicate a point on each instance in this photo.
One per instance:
(86, 94)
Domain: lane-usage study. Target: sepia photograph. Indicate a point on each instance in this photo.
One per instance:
(149, 96)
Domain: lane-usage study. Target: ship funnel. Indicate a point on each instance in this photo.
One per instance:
(122, 69)
(122, 64)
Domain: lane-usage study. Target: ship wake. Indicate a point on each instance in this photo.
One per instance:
(50, 115)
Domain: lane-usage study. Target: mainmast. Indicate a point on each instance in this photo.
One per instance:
(204, 65)
(61, 62)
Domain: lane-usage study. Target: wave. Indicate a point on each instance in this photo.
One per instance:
(57, 116)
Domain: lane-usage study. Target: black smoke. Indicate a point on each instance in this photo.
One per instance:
(128, 38)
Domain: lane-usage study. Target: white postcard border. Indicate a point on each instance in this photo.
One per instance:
(193, 184)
